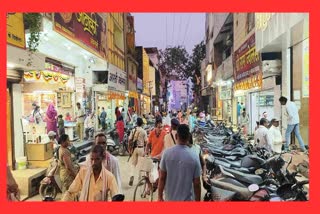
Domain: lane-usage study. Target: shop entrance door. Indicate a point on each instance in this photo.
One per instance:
(262, 101)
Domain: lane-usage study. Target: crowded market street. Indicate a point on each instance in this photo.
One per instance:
(157, 107)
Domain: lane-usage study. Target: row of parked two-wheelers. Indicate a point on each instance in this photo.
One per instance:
(239, 171)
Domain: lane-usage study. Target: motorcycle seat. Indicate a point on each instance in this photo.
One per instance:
(232, 163)
(241, 192)
(218, 194)
(244, 177)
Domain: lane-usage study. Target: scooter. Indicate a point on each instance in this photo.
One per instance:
(113, 142)
(50, 186)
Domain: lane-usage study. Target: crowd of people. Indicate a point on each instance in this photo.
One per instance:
(181, 164)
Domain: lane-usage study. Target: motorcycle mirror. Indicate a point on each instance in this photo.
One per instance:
(118, 197)
(253, 188)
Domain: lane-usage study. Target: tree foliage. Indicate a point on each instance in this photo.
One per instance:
(174, 62)
(194, 66)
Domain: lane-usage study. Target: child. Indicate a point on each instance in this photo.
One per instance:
(68, 117)
(60, 125)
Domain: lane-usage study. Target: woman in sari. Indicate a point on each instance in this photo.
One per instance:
(120, 128)
(51, 118)
(67, 170)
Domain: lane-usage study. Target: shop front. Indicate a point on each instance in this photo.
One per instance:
(226, 99)
(288, 35)
(134, 101)
(112, 94)
(248, 78)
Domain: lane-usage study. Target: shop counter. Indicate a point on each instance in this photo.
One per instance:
(39, 151)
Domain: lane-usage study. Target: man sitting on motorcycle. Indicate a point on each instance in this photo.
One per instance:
(89, 125)
(110, 162)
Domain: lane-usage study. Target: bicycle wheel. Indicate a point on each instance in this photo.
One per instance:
(140, 192)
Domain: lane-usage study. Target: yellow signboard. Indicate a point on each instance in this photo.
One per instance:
(250, 82)
(15, 30)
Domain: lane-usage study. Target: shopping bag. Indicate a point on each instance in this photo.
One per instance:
(154, 175)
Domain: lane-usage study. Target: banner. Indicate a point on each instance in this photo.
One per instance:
(247, 66)
(247, 61)
(15, 30)
(80, 84)
(117, 79)
(89, 30)
(130, 35)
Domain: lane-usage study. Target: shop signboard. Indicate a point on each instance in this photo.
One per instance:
(15, 30)
(225, 93)
(247, 66)
(117, 79)
(132, 76)
(89, 30)
(80, 84)
(139, 85)
(130, 34)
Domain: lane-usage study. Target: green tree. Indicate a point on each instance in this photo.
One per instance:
(194, 68)
(173, 61)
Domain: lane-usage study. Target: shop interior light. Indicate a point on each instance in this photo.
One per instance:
(92, 60)
(10, 65)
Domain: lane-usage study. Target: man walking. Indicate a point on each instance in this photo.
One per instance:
(110, 162)
(275, 135)
(93, 182)
(262, 137)
(180, 171)
(293, 123)
(103, 116)
(170, 139)
(138, 135)
(80, 114)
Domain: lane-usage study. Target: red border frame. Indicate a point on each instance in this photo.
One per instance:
(168, 6)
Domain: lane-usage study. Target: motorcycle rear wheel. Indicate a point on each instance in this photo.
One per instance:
(48, 190)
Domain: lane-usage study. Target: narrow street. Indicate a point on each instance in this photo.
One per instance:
(222, 98)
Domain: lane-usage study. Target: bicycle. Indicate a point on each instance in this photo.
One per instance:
(146, 185)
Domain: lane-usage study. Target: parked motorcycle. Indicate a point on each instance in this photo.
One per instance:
(113, 141)
(50, 186)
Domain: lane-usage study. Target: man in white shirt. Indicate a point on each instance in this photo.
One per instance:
(293, 123)
(275, 135)
(170, 139)
(261, 136)
(88, 125)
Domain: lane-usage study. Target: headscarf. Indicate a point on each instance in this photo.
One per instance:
(51, 111)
